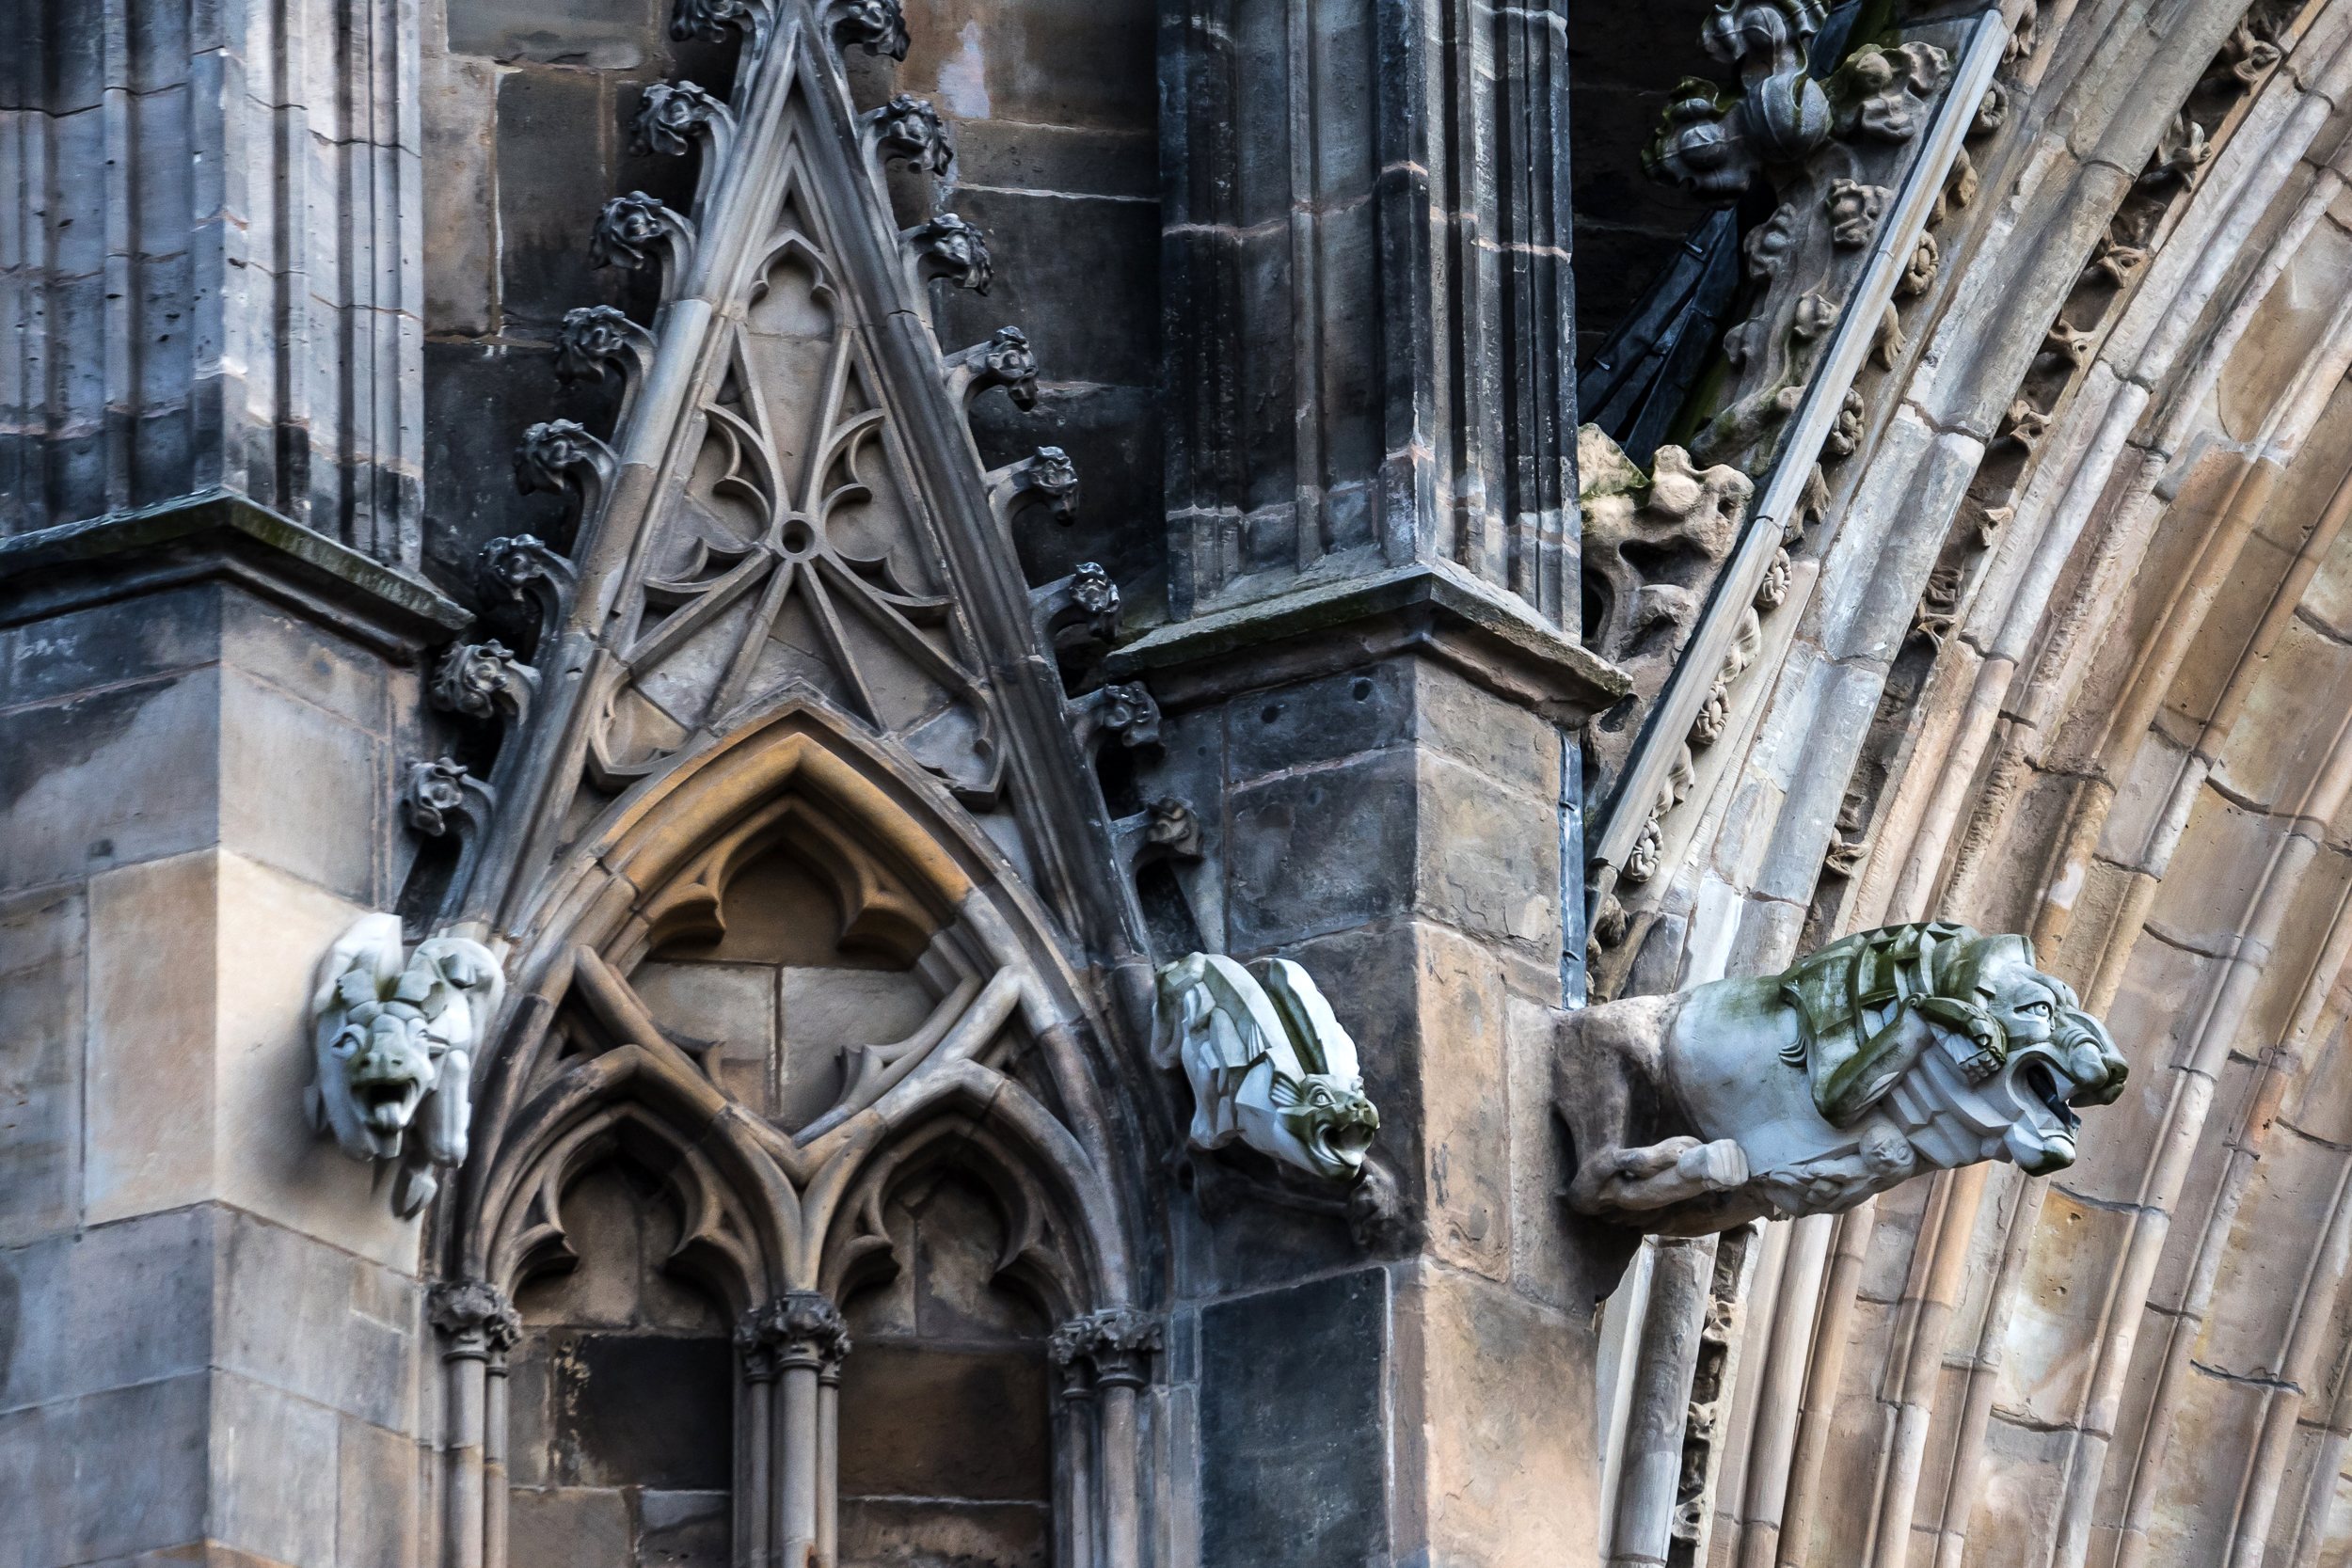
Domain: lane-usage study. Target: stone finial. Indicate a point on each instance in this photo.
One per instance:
(877, 27)
(1268, 1062)
(908, 130)
(480, 680)
(513, 570)
(476, 1317)
(592, 336)
(952, 248)
(669, 115)
(393, 1039)
(1885, 1054)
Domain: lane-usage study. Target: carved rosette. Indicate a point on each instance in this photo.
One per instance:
(1108, 1349)
(800, 1328)
(477, 1319)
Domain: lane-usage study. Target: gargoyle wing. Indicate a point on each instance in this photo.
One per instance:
(1321, 1045)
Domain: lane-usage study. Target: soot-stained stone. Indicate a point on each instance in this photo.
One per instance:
(479, 399)
(920, 1421)
(1290, 1426)
(636, 1409)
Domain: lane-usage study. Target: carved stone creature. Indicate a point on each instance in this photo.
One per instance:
(1712, 145)
(592, 335)
(1124, 709)
(669, 115)
(1268, 1063)
(1004, 360)
(393, 1041)
(878, 26)
(627, 229)
(909, 130)
(1885, 1054)
(952, 248)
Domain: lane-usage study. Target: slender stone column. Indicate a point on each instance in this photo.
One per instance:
(759, 1428)
(479, 1323)
(1119, 1342)
(494, 1419)
(1073, 1448)
(829, 1461)
(803, 1332)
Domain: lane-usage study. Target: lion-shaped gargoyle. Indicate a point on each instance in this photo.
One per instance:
(395, 1039)
(1885, 1054)
(1268, 1063)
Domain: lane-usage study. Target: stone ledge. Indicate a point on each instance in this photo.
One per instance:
(220, 535)
(1492, 638)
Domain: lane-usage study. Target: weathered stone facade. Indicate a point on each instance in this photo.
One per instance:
(825, 782)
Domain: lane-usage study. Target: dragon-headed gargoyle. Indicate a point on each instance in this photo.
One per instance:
(1884, 1056)
(1268, 1063)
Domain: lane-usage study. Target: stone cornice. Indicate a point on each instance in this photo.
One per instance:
(1491, 637)
(218, 535)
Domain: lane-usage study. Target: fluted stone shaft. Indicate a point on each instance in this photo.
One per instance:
(213, 277)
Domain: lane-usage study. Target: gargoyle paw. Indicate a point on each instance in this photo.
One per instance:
(1717, 1167)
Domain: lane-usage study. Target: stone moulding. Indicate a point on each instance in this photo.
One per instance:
(224, 537)
(1490, 636)
(1882, 1056)
(1632, 811)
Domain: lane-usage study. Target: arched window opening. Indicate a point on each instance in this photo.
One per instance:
(621, 1394)
(946, 1436)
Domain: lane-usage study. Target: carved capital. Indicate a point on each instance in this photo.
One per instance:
(800, 1328)
(476, 1317)
(877, 27)
(1003, 360)
(952, 248)
(670, 115)
(1111, 1348)
(438, 796)
(480, 680)
(908, 130)
(592, 337)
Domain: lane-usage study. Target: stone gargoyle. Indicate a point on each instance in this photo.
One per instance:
(1268, 1063)
(1885, 1054)
(394, 1036)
